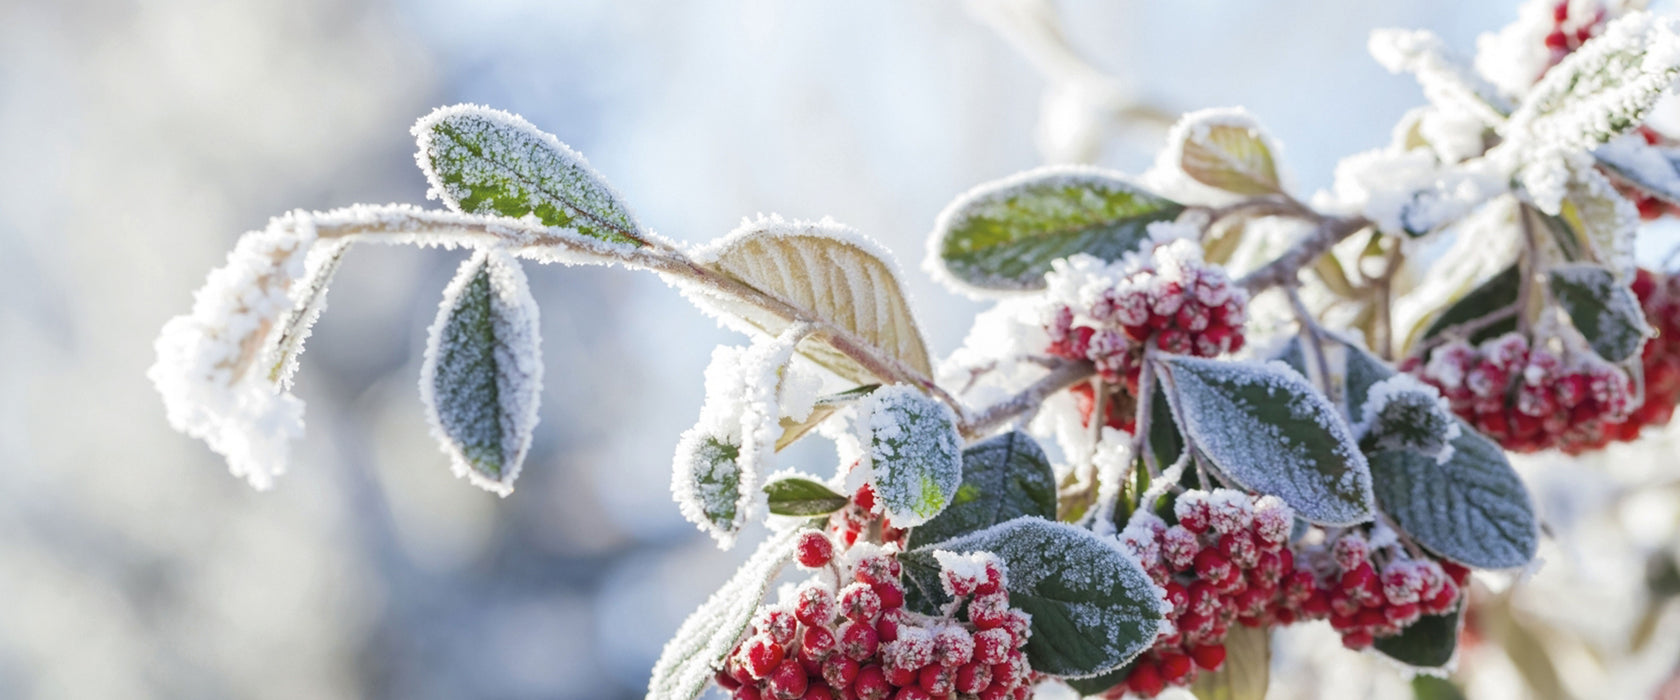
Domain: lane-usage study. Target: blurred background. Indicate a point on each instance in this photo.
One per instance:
(139, 139)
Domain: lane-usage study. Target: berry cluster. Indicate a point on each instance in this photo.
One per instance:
(860, 643)
(1107, 312)
(1375, 591)
(1660, 297)
(1527, 398)
(860, 520)
(1225, 561)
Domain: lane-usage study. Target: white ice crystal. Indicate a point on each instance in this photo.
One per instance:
(1600, 90)
(213, 365)
(1412, 190)
(1447, 84)
(1515, 56)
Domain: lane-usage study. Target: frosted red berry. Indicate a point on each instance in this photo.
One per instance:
(814, 550)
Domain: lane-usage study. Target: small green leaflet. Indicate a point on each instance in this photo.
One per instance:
(1603, 310)
(802, 497)
(486, 161)
(1093, 609)
(1003, 235)
(1225, 149)
(1428, 643)
(706, 479)
(481, 378)
(685, 667)
(1003, 477)
(1247, 669)
(915, 454)
(1473, 509)
(1271, 432)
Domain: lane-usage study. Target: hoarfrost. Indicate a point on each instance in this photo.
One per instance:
(1601, 90)
(212, 366)
(1402, 412)
(914, 457)
(1447, 84)
(685, 665)
(481, 376)
(1515, 56)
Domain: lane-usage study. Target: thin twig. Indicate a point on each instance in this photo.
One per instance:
(1525, 270)
(1384, 313)
(1062, 377)
(1145, 410)
(1463, 331)
(1284, 268)
(1315, 333)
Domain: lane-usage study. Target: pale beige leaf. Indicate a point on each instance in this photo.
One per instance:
(1605, 221)
(829, 275)
(1247, 669)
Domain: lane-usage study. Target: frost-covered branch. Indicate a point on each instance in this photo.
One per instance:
(1282, 269)
(1063, 376)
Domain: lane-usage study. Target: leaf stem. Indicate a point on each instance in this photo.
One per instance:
(1283, 269)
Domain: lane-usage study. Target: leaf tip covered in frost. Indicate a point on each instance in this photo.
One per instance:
(481, 377)
(913, 454)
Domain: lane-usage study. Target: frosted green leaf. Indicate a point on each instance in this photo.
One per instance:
(485, 161)
(1472, 509)
(481, 378)
(1225, 149)
(685, 667)
(1267, 429)
(1093, 608)
(915, 454)
(706, 481)
(1402, 413)
(1603, 89)
(1003, 477)
(1603, 310)
(1003, 235)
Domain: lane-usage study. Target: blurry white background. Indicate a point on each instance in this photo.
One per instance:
(138, 139)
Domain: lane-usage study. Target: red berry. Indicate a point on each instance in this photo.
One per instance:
(858, 640)
(858, 601)
(839, 671)
(912, 693)
(779, 624)
(747, 692)
(1174, 667)
(1209, 656)
(813, 606)
(814, 550)
(1557, 40)
(937, 680)
(886, 628)
(763, 655)
(788, 681)
(992, 646)
(817, 643)
(871, 683)
(1211, 565)
(901, 676)
(973, 677)
(818, 691)
(1357, 640)
(724, 680)
(1145, 680)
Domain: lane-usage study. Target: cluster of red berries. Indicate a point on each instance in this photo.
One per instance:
(859, 643)
(1659, 295)
(1228, 561)
(1106, 313)
(1373, 592)
(1527, 398)
(860, 520)
(1225, 562)
(1564, 39)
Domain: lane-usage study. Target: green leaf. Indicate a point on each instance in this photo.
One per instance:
(1498, 292)
(1093, 609)
(1432, 688)
(486, 161)
(1473, 509)
(1165, 440)
(707, 477)
(802, 497)
(1428, 643)
(1601, 90)
(1603, 310)
(1268, 430)
(481, 377)
(1003, 235)
(1003, 477)
(1224, 149)
(685, 667)
(1407, 415)
(1362, 371)
(915, 454)
(1247, 669)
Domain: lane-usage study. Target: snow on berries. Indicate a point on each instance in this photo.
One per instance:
(1659, 295)
(1228, 561)
(1530, 398)
(820, 643)
(1108, 312)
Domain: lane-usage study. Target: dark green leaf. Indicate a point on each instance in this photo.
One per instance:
(1473, 509)
(482, 373)
(1428, 643)
(1603, 310)
(1165, 440)
(915, 454)
(802, 497)
(1498, 292)
(1003, 477)
(1093, 609)
(1269, 431)
(1003, 235)
(1095, 685)
(486, 161)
